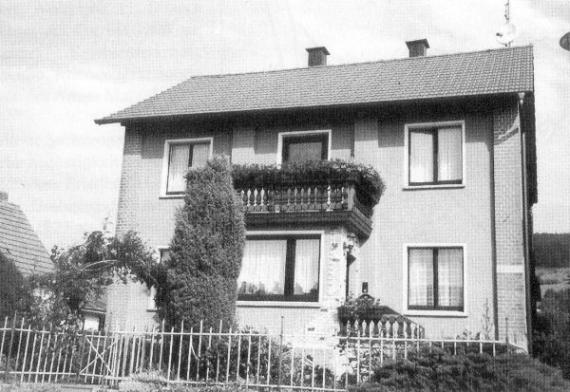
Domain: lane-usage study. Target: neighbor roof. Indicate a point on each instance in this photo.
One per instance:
(497, 71)
(19, 242)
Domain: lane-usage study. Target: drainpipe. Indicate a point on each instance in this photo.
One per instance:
(526, 233)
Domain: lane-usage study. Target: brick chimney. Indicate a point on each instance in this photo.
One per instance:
(3, 196)
(317, 56)
(418, 47)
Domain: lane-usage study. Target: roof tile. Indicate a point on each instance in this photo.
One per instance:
(495, 71)
(19, 241)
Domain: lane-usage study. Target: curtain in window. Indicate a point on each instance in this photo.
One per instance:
(263, 267)
(177, 167)
(305, 151)
(307, 266)
(421, 156)
(200, 154)
(450, 277)
(420, 280)
(449, 162)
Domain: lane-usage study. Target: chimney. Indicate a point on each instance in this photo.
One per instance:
(3, 196)
(418, 47)
(317, 56)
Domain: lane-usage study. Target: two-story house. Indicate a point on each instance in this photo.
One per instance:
(453, 137)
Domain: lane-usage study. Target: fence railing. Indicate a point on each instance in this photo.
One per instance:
(216, 355)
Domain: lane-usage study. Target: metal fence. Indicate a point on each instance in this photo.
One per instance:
(218, 355)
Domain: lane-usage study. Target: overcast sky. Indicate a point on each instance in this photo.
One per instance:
(65, 63)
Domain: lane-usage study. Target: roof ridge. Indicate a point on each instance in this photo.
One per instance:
(358, 63)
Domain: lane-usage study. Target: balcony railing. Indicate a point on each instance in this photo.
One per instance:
(301, 202)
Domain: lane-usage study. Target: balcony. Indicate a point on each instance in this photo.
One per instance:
(325, 193)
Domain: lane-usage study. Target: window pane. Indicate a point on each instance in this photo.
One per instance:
(263, 267)
(305, 151)
(200, 154)
(177, 167)
(450, 277)
(421, 156)
(307, 267)
(449, 154)
(420, 277)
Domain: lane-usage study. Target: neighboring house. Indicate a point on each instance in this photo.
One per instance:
(453, 137)
(19, 241)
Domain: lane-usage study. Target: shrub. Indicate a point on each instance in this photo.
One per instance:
(205, 252)
(551, 340)
(438, 371)
(14, 291)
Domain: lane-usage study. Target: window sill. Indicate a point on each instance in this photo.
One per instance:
(277, 304)
(442, 186)
(435, 313)
(181, 196)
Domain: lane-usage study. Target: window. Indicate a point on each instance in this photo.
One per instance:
(435, 278)
(304, 146)
(181, 155)
(164, 255)
(280, 268)
(435, 155)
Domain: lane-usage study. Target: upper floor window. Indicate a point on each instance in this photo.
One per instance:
(181, 155)
(435, 278)
(435, 154)
(304, 146)
(280, 268)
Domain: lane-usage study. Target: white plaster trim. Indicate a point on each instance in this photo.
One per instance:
(281, 135)
(165, 157)
(510, 269)
(406, 183)
(322, 270)
(435, 313)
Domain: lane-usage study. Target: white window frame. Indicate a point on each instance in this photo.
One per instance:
(322, 261)
(166, 158)
(435, 313)
(412, 126)
(282, 135)
(151, 304)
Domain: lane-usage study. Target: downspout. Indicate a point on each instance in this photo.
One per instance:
(525, 224)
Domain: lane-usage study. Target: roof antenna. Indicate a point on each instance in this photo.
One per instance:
(508, 31)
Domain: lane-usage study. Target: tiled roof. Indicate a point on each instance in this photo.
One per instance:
(506, 70)
(19, 242)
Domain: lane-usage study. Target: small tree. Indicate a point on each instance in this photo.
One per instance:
(205, 252)
(81, 274)
(14, 291)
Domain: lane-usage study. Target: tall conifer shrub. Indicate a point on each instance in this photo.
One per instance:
(205, 252)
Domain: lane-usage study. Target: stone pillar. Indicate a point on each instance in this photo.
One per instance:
(333, 282)
(509, 233)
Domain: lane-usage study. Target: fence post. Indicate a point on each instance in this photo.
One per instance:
(7, 369)
(280, 354)
(507, 335)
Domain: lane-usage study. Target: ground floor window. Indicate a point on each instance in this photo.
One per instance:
(435, 278)
(280, 268)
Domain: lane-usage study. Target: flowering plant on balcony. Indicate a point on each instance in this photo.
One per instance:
(367, 180)
(364, 307)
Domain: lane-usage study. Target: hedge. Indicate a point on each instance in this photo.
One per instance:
(205, 252)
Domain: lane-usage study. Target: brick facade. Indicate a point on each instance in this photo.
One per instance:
(509, 222)
(460, 215)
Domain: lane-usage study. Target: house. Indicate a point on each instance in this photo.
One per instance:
(19, 242)
(453, 137)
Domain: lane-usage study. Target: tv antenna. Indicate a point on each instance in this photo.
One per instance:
(508, 31)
